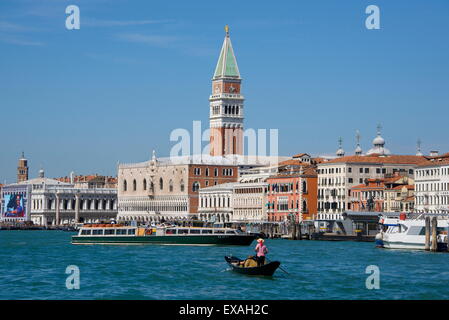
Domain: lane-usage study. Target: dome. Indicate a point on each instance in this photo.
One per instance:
(379, 141)
(358, 150)
(340, 152)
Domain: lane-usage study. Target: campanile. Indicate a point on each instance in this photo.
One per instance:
(226, 104)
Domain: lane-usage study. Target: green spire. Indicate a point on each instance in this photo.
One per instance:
(227, 64)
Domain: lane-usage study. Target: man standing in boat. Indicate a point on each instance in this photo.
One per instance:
(261, 251)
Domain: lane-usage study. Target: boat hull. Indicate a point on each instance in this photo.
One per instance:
(265, 270)
(202, 240)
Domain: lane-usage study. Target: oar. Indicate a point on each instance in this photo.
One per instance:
(278, 267)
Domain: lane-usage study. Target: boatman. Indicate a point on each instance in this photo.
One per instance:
(261, 251)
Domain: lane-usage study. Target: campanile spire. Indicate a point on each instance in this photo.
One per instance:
(226, 104)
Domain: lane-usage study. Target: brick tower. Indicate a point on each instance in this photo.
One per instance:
(22, 169)
(226, 104)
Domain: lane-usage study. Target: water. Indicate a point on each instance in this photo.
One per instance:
(34, 262)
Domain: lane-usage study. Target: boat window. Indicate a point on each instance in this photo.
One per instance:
(195, 231)
(416, 230)
(109, 231)
(219, 231)
(402, 228)
(206, 231)
(85, 232)
(183, 231)
(132, 231)
(230, 232)
(170, 231)
(97, 231)
(121, 231)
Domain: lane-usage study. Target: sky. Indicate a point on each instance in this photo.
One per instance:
(112, 91)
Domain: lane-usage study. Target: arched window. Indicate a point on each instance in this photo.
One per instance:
(304, 187)
(151, 186)
(134, 185)
(195, 186)
(125, 185)
(304, 205)
(182, 185)
(144, 184)
(237, 110)
(170, 186)
(161, 184)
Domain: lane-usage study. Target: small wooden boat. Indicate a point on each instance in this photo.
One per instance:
(266, 270)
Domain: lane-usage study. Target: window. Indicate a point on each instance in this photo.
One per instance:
(85, 232)
(361, 170)
(97, 232)
(349, 169)
(161, 184)
(350, 180)
(144, 184)
(183, 231)
(182, 185)
(366, 170)
(195, 186)
(195, 231)
(216, 172)
(170, 186)
(197, 171)
(109, 231)
(134, 185)
(206, 231)
(131, 231)
(377, 170)
(207, 172)
(125, 185)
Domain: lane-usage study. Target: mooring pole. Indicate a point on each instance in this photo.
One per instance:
(434, 245)
(427, 243)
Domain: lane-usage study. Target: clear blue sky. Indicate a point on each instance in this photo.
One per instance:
(114, 90)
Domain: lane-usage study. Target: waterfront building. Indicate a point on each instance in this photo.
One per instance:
(293, 191)
(47, 201)
(216, 203)
(167, 188)
(250, 202)
(389, 194)
(432, 185)
(337, 176)
(226, 104)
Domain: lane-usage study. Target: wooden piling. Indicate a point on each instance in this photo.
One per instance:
(447, 239)
(427, 242)
(434, 244)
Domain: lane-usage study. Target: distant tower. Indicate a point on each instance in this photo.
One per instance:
(226, 104)
(418, 148)
(358, 149)
(22, 169)
(340, 152)
(41, 173)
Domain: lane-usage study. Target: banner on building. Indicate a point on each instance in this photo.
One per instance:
(14, 206)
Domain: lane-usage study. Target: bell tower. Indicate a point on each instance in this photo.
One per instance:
(226, 104)
(22, 169)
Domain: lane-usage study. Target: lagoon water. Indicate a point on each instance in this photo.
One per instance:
(34, 264)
